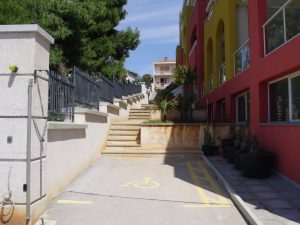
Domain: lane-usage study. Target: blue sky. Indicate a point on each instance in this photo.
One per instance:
(157, 21)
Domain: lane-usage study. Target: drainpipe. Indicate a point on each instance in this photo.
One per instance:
(28, 160)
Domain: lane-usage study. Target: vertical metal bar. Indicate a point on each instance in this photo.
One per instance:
(290, 99)
(265, 44)
(284, 25)
(28, 154)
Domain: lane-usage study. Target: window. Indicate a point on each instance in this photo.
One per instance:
(223, 112)
(243, 108)
(284, 100)
(210, 113)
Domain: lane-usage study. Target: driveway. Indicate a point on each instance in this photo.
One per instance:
(144, 190)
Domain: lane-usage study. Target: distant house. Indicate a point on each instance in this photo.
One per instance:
(131, 76)
(163, 73)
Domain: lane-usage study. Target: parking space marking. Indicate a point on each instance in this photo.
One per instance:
(146, 183)
(74, 202)
(199, 173)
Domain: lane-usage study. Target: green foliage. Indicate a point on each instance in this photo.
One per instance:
(184, 75)
(147, 78)
(163, 105)
(84, 31)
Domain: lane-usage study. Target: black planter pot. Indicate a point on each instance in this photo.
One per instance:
(230, 150)
(225, 144)
(209, 150)
(257, 165)
(237, 159)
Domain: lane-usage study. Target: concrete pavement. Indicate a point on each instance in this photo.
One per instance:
(272, 201)
(144, 189)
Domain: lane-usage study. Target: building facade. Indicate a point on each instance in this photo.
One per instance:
(247, 58)
(163, 73)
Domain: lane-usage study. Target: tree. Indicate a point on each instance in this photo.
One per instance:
(147, 78)
(85, 31)
(185, 76)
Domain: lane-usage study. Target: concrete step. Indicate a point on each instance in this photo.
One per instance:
(124, 132)
(122, 144)
(140, 150)
(136, 116)
(122, 138)
(140, 114)
(140, 111)
(124, 127)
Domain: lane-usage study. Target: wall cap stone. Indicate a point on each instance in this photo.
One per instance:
(27, 28)
(66, 126)
(91, 112)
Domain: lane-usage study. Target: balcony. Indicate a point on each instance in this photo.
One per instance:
(283, 26)
(222, 73)
(242, 58)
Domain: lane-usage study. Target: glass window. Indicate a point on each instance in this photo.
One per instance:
(243, 108)
(279, 101)
(295, 85)
(275, 32)
(292, 15)
(223, 111)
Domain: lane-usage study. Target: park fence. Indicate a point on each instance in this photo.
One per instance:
(80, 90)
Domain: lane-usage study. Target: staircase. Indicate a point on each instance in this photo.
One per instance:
(123, 136)
(139, 114)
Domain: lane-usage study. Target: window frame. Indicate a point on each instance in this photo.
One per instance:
(289, 77)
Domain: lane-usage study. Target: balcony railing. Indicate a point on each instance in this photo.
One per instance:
(211, 82)
(282, 26)
(222, 73)
(242, 58)
(202, 90)
(193, 48)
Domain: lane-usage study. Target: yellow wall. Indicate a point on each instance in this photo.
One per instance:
(222, 10)
(185, 18)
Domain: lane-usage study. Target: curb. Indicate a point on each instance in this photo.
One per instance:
(248, 214)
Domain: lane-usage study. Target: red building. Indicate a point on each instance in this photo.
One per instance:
(257, 81)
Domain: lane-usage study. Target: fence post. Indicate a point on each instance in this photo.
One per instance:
(23, 119)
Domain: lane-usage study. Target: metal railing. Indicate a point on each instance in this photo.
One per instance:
(242, 58)
(106, 90)
(210, 82)
(79, 89)
(61, 98)
(222, 73)
(87, 91)
(118, 88)
(282, 26)
(193, 48)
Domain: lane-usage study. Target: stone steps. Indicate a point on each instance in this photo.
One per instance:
(122, 144)
(122, 138)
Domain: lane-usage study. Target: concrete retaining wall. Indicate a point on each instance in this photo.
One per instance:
(180, 136)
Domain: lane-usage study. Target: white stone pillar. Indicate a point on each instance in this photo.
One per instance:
(23, 116)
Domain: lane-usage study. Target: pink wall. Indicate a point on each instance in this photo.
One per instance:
(283, 139)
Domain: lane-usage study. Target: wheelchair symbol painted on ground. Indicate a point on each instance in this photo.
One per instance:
(146, 183)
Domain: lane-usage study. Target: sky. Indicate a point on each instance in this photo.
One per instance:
(158, 23)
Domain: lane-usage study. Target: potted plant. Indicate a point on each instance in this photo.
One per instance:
(209, 148)
(228, 143)
(257, 163)
(163, 106)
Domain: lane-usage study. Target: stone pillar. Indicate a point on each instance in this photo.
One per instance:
(23, 117)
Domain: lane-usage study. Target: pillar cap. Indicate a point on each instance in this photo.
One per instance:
(27, 28)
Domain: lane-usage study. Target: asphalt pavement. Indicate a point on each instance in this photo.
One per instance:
(144, 190)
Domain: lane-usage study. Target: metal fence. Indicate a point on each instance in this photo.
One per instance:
(61, 98)
(118, 88)
(66, 92)
(87, 91)
(106, 90)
